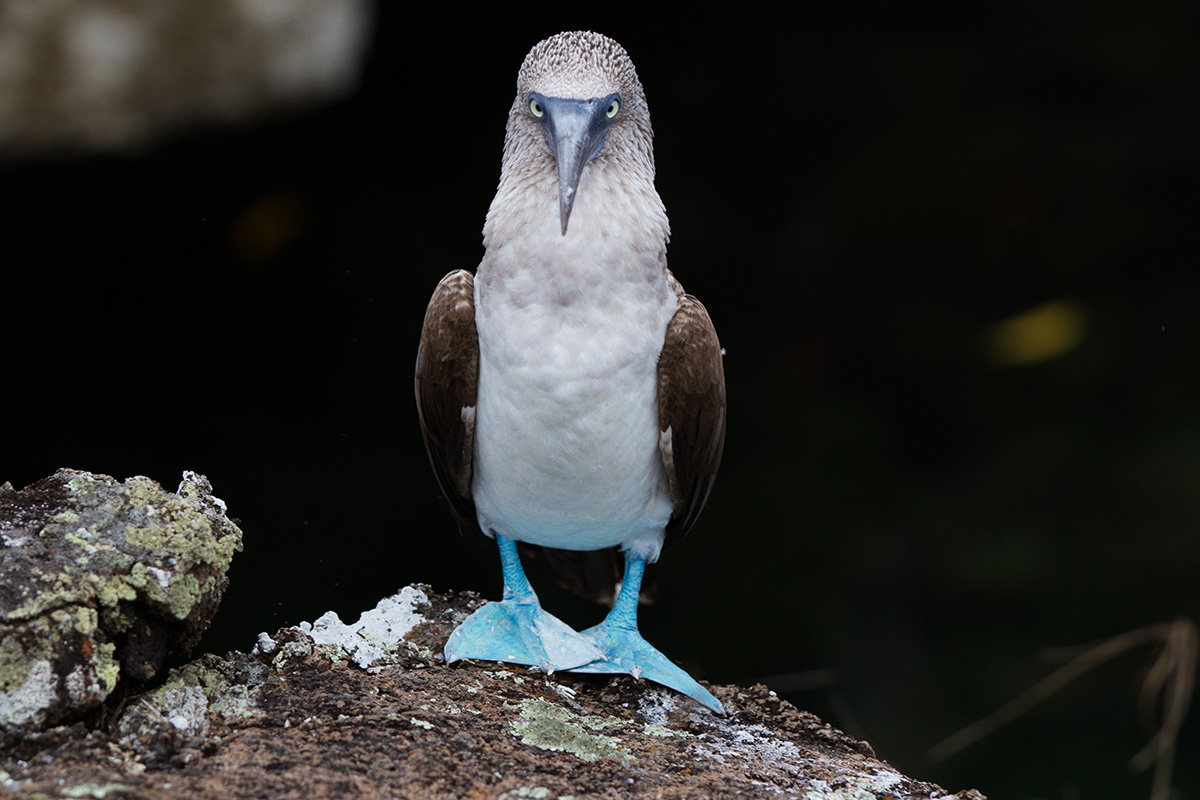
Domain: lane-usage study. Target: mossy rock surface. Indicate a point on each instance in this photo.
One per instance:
(99, 581)
(371, 710)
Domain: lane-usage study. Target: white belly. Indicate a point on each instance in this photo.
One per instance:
(566, 437)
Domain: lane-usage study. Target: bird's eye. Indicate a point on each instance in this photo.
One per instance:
(536, 108)
(613, 108)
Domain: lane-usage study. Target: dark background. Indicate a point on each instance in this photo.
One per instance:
(904, 516)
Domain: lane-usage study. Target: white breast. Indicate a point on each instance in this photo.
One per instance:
(570, 329)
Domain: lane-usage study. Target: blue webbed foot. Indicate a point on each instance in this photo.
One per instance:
(519, 633)
(517, 629)
(626, 652)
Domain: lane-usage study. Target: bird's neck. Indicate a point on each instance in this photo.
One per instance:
(617, 234)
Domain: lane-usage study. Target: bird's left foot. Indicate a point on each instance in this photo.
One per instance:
(519, 632)
(626, 652)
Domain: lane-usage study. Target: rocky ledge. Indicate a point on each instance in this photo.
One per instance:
(103, 579)
(371, 710)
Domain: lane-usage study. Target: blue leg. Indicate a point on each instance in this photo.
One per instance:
(625, 651)
(517, 630)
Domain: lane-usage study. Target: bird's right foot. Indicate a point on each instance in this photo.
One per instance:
(520, 632)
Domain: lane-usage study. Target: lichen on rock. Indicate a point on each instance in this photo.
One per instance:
(100, 581)
(551, 727)
(302, 718)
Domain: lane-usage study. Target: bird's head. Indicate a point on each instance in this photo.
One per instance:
(578, 100)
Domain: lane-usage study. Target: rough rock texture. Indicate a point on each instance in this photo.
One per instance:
(99, 581)
(370, 710)
(102, 74)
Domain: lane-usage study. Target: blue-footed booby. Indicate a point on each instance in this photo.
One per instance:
(571, 395)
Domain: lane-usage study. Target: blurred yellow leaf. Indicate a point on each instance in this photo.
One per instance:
(1039, 334)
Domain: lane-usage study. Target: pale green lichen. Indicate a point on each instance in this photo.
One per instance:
(82, 483)
(300, 649)
(503, 674)
(108, 670)
(62, 593)
(176, 706)
(551, 727)
(66, 517)
(856, 787)
(186, 699)
(83, 539)
(109, 555)
(422, 652)
(534, 792)
(176, 525)
(178, 591)
(97, 791)
(31, 674)
(86, 620)
(600, 723)
(659, 730)
(236, 702)
(14, 666)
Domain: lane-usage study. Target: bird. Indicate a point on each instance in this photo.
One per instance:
(570, 394)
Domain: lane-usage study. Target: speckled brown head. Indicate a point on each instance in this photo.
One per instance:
(578, 101)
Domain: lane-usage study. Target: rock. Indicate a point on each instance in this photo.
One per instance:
(371, 710)
(99, 581)
(109, 74)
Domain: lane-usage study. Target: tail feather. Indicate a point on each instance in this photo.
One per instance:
(593, 574)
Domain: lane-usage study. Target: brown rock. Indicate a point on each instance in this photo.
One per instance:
(298, 719)
(100, 581)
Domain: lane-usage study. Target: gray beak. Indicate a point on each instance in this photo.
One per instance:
(575, 131)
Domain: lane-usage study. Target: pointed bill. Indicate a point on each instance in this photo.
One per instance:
(575, 131)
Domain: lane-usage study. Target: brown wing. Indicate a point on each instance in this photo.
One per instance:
(447, 366)
(691, 411)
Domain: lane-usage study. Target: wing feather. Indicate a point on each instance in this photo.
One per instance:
(445, 381)
(691, 408)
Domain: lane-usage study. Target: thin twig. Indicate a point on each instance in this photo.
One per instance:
(1090, 658)
(1171, 678)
